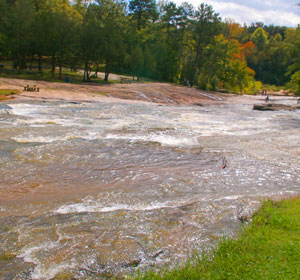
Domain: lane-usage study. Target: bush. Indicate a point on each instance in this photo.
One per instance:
(294, 84)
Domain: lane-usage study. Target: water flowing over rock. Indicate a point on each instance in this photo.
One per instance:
(94, 190)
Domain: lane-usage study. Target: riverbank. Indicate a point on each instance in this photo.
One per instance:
(160, 93)
(138, 92)
(266, 249)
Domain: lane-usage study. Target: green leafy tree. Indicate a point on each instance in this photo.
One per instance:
(111, 17)
(277, 58)
(91, 40)
(257, 60)
(293, 71)
(203, 28)
(260, 38)
(60, 23)
(38, 45)
(142, 10)
(4, 22)
(20, 34)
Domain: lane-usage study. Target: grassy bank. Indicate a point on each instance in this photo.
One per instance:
(267, 249)
(7, 93)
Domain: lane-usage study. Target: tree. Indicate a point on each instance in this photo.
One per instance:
(20, 32)
(259, 38)
(204, 26)
(226, 66)
(142, 10)
(111, 14)
(169, 46)
(4, 16)
(293, 71)
(90, 40)
(60, 28)
(257, 60)
(276, 60)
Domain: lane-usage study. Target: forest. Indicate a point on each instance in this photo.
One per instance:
(158, 40)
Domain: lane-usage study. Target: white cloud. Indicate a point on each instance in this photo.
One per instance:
(277, 12)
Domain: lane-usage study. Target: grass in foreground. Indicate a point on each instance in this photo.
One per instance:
(267, 249)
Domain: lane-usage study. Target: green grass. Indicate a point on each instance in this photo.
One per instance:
(267, 249)
(7, 93)
(101, 93)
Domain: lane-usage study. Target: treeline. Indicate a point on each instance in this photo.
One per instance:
(145, 38)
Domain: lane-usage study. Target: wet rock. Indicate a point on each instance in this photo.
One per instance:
(75, 102)
(275, 107)
(133, 263)
(26, 275)
(11, 271)
(124, 253)
(5, 109)
(157, 254)
(244, 215)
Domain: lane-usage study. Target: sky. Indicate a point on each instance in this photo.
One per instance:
(277, 12)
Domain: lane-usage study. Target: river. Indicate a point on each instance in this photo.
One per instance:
(99, 189)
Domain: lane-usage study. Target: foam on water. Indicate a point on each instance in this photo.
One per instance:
(42, 139)
(165, 140)
(27, 253)
(92, 206)
(46, 273)
(43, 271)
(28, 110)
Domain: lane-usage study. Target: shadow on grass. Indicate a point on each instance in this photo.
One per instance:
(46, 75)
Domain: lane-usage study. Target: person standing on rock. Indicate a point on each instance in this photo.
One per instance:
(267, 98)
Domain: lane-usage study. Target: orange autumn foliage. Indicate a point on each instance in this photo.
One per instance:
(247, 48)
(235, 30)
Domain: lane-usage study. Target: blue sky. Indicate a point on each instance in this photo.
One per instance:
(277, 12)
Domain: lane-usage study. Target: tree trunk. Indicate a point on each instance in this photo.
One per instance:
(31, 61)
(17, 64)
(107, 71)
(193, 72)
(86, 75)
(40, 63)
(97, 70)
(60, 67)
(53, 65)
(23, 62)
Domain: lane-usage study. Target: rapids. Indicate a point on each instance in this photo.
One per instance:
(98, 189)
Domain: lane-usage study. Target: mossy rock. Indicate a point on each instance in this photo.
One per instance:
(7, 256)
(64, 276)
